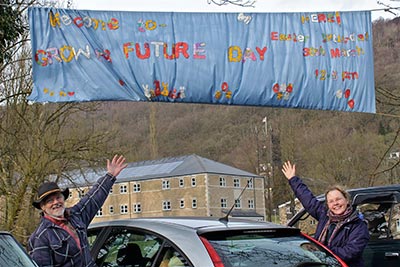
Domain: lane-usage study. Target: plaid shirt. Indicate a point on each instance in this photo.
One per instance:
(51, 246)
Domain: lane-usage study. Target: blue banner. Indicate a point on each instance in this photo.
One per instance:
(296, 60)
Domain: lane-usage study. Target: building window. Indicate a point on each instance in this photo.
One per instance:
(136, 187)
(166, 205)
(124, 209)
(250, 182)
(123, 189)
(111, 191)
(194, 203)
(99, 212)
(111, 209)
(70, 194)
(238, 203)
(223, 203)
(137, 208)
(313, 222)
(81, 193)
(236, 182)
(222, 181)
(165, 184)
(182, 203)
(193, 181)
(181, 182)
(251, 203)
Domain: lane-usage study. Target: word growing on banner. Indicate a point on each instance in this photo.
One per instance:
(67, 53)
(157, 91)
(57, 20)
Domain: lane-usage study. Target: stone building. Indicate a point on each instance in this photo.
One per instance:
(181, 186)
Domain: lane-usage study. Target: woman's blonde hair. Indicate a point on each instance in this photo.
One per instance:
(341, 190)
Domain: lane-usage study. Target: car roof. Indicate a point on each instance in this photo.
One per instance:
(198, 224)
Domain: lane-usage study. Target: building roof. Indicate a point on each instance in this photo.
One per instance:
(166, 167)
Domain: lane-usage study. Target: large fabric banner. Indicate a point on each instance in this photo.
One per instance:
(296, 60)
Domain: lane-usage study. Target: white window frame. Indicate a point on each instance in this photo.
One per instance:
(111, 191)
(222, 181)
(136, 187)
(123, 209)
(193, 181)
(236, 182)
(238, 203)
(224, 203)
(251, 183)
(182, 203)
(123, 189)
(181, 182)
(166, 205)
(111, 209)
(165, 184)
(99, 213)
(251, 203)
(137, 207)
(194, 203)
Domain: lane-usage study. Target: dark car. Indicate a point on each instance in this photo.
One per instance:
(12, 253)
(380, 207)
(204, 242)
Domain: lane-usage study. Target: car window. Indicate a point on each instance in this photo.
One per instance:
(395, 222)
(172, 258)
(124, 247)
(383, 220)
(12, 254)
(92, 236)
(264, 250)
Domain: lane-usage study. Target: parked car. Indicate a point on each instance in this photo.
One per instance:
(380, 207)
(204, 242)
(12, 253)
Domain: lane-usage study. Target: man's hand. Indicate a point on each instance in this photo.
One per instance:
(116, 165)
(289, 170)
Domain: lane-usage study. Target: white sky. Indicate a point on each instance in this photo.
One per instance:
(258, 6)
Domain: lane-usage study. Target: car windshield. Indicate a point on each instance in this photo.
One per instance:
(12, 254)
(269, 250)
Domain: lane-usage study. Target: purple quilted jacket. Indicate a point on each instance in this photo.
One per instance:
(350, 241)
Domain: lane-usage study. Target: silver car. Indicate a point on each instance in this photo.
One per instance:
(203, 242)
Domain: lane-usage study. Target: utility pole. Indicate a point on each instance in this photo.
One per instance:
(268, 168)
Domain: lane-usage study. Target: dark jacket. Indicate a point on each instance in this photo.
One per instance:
(352, 238)
(51, 246)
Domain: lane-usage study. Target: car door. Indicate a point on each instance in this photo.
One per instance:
(382, 212)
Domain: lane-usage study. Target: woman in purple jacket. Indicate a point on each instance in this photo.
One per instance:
(339, 226)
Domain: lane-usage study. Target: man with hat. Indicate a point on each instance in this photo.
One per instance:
(60, 239)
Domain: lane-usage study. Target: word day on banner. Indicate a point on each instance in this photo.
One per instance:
(318, 61)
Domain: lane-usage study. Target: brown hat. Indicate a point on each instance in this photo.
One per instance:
(47, 189)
